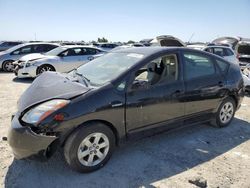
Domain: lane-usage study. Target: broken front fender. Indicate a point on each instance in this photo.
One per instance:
(26, 143)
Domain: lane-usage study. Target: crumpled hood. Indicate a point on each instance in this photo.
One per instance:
(47, 86)
(35, 56)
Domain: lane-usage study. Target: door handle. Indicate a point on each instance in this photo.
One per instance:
(176, 93)
(220, 84)
(116, 103)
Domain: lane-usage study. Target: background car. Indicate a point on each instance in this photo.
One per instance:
(9, 56)
(223, 51)
(242, 50)
(134, 91)
(105, 46)
(61, 59)
(229, 41)
(196, 46)
(167, 40)
(8, 44)
(246, 77)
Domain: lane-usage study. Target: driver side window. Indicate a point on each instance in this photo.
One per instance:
(161, 70)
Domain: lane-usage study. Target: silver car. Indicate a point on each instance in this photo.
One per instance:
(8, 44)
(9, 56)
(61, 59)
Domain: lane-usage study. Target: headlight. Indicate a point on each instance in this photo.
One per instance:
(40, 112)
(28, 64)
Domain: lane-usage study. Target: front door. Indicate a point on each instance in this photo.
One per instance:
(154, 95)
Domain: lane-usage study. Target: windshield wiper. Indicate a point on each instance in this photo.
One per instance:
(85, 79)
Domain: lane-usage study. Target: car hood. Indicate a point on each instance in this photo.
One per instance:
(3, 53)
(50, 85)
(35, 56)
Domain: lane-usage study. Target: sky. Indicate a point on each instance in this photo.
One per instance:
(123, 20)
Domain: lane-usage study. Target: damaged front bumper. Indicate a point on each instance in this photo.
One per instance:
(25, 143)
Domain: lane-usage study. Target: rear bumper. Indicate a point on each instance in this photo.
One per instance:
(25, 143)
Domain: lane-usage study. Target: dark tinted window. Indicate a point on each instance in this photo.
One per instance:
(244, 49)
(40, 48)
(223, 65)
(89, 51)
(72, 52)
(197, 65)
(228, 52)
(48, 47)
(210, 50)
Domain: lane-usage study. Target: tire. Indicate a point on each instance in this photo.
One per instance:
(225, 113)
(44, 68)
(8, 66)
(82, 147)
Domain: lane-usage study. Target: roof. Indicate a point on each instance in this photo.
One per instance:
(146, 50)
(218, 46)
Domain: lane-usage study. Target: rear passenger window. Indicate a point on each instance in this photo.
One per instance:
(228, 52)
(223, 65)
(198, 66)
(219, 52)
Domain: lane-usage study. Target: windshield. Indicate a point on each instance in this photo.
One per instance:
(105, 68)
(56, 51)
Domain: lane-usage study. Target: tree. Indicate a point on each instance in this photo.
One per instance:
(131, 42)
(102, 39)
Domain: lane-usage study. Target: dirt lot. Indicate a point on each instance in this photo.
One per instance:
(220, 157)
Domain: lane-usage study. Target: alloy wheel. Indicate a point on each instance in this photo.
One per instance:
(45, 68)
(8, 66)
(93, 149)
(226, 112)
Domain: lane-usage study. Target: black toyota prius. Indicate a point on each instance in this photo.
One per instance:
(122, 95)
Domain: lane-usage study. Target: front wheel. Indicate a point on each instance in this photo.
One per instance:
(8, 66)
(89, 148)
(44, 68)
(225, 113)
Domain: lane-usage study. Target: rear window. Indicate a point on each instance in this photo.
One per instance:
(244, 49)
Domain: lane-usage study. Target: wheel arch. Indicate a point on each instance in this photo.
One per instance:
(3, 62)
(104, 122)
(46, 64)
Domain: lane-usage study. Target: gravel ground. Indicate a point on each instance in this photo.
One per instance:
(200, 154)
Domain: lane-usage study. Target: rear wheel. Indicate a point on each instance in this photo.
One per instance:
(8, 66)
(89, 148)
(225, 113)
(44, 68)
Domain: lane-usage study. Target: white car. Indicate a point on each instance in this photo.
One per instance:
(105, 46)
(61, 59)
(223, 51)
(7, 57)
(246, 78)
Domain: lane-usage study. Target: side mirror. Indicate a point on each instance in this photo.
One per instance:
(139, 84)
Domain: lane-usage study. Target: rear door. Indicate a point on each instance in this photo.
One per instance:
(204, 85)
(70, 59)
(88, 55)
